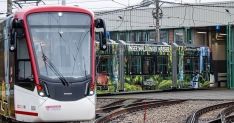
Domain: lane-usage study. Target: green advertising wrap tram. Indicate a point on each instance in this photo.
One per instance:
(142, 66)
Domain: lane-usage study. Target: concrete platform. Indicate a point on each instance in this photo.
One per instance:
(211, 93)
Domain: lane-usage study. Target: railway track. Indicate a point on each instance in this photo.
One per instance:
(114, 103)
(109, 108)
(223, 116)
(112, 112)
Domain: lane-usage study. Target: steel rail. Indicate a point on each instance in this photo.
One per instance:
(111, 108)
(193, 118)
(134, 107)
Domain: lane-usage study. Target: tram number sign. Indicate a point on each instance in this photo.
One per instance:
(33, 108)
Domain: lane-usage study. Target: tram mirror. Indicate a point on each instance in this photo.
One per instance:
(103, 42)
(15, 23)
(13, 42)
(99, 23)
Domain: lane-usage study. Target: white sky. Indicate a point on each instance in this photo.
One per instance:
(97, 4)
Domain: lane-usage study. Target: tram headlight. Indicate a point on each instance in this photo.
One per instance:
(91, 92)
(91, 89)
(41, 93)
(42, 90)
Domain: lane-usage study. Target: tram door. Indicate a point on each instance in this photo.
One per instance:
(148, 68)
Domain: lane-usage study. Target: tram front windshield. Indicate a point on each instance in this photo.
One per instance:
(63, 40)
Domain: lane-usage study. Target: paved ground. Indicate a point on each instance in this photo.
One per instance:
(213, 93)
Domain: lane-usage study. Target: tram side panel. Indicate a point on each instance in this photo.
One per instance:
(2, 68)
(192, 67)
(107, 68)
(8, 107)
(147, 67)
(7, 98)
(205, 65)
(188, 65)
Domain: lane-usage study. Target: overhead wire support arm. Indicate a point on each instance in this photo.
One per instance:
(21, 2)
(142, 4)
(201, 5)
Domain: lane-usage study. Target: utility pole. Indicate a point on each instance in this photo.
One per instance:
(157, 21)
(9, 7)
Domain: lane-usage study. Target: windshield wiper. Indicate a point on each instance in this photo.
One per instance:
(84, 67)
(54, 69)
(43, 59)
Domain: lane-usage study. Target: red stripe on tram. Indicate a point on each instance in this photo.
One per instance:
(26, 113)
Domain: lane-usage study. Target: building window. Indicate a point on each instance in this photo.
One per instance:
(132, 36)
(135, 65)
(142, 36)
(152, 36)
(162, 65)
(164, 36)
(113, 36)
(122, 36)
(179, 35)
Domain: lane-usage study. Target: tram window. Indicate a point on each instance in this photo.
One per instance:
(191, 64)
(148, 65)
(162, 65)
(22, 49)
(188, 67)
(103, 64)
(205, 64)
(196, 65)
(24, 70)
(135, 65)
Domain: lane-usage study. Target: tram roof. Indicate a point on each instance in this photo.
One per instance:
(55, 8)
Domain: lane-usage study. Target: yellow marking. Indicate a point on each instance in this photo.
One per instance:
(3, 94)
(4, 56)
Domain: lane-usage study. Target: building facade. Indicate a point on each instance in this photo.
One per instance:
(204, 24)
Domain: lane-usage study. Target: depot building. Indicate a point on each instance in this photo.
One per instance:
(209, 24)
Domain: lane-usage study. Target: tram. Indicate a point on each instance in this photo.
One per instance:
(47, 68)
(142, 66)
